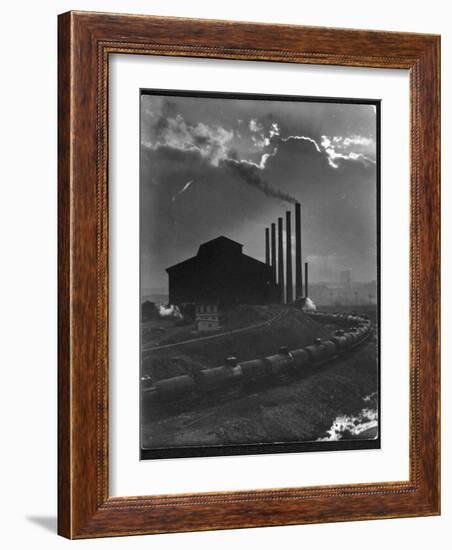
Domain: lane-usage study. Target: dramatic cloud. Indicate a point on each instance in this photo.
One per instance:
(203, 175)
(213, 144)
(260, 141)
(353, 148)
(301, 138)
(255, 126)
(209, 141)
(357, 140)
(275, 140)
(274, 130)
(333, 156)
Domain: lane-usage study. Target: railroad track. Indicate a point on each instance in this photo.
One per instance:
(285, 363)
(256, 326)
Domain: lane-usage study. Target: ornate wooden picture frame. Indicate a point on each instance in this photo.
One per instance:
(86, 41)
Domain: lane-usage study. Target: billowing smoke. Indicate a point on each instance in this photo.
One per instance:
(170, 311)
(249, 174)
(309, 305)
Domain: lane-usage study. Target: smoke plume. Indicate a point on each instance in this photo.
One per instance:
(170, 311)
(249, 174)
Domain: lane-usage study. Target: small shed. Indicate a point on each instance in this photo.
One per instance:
(207, 317)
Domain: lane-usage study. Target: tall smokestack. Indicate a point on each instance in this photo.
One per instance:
(267, 246)
(273, 251)
(306, 279)
(289, 284)
(281, 260)
(298, 274)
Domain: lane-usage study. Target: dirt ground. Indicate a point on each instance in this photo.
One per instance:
(284, 326)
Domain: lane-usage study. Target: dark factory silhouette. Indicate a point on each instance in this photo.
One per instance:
(222, 274)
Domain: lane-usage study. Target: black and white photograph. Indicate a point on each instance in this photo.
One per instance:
(224, 235)
(259, 274)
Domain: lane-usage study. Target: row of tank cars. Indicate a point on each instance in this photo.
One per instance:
(283, 365)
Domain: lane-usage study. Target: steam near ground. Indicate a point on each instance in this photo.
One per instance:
(169, 311)
(309, 305)
(350, 427)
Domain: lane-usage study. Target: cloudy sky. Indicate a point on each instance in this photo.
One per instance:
(216, 166)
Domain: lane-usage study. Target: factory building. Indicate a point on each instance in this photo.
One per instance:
(222, 274)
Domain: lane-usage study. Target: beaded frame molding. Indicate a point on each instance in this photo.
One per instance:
(85, 42)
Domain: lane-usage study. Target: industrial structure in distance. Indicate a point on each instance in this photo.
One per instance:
(221, 275)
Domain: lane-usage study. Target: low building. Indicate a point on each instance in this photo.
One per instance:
(207, 317)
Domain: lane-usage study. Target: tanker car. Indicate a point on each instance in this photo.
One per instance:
(285, 363)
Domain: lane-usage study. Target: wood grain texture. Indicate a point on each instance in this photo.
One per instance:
(85, 42)
(64, 296)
